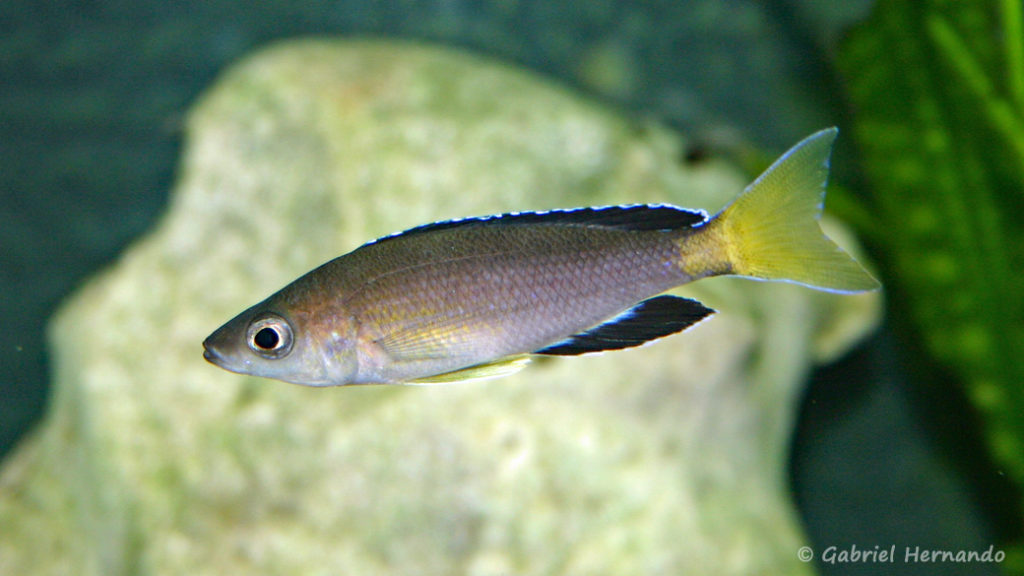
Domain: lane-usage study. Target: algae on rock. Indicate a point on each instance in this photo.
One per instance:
(662, 460)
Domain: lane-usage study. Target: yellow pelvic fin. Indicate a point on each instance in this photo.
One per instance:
(771, 231)
(496, 369)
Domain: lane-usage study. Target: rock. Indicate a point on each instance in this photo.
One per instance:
(663, 460)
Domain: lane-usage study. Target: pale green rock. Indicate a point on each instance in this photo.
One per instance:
(668, 459)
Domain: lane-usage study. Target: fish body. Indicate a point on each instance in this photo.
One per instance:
(475, 297)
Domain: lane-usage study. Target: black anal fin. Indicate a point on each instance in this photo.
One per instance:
(648, 320)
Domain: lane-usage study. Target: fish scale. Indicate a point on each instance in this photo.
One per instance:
(545, 283)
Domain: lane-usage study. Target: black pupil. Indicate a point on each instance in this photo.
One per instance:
(267, 338)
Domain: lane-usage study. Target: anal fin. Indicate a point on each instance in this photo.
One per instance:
(651, 319)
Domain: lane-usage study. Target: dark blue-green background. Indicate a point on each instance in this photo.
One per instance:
(92, 98)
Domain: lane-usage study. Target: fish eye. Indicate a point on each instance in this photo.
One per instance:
(270, 337)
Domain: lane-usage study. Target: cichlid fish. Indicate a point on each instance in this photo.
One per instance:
(475, 297)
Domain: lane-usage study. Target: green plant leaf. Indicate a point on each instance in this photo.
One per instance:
(938, 91)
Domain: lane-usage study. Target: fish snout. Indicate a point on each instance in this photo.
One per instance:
(217, 350)
(210, 353)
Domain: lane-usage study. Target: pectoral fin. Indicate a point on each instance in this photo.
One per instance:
(648, 320)
(496, 369)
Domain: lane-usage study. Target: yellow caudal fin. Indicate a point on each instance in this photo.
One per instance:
(771, 231)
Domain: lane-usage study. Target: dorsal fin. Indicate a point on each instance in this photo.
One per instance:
(630, 217)
(648, 320)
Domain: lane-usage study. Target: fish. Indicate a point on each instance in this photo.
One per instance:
(478, 297)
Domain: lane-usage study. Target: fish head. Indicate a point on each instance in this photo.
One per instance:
(271, 341)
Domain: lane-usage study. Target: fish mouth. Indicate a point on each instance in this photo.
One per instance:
(216, 355)
(211, 355)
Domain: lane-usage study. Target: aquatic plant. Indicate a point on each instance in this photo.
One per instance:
(938, 95)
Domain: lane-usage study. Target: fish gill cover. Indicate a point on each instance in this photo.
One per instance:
(938, 92)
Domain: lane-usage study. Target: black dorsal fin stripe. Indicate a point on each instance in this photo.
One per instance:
(651, 319)
(637, 217)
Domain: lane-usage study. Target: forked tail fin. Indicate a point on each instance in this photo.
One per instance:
(771, 231)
